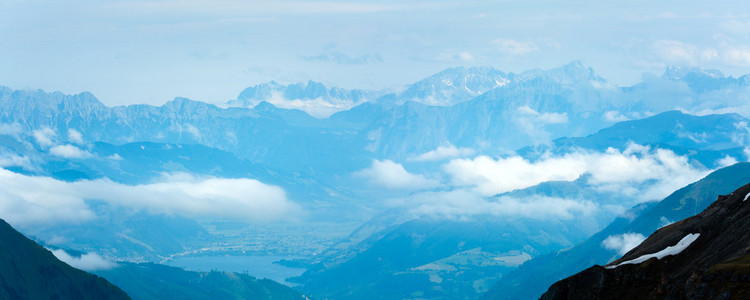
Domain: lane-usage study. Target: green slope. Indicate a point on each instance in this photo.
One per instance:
(28, 271)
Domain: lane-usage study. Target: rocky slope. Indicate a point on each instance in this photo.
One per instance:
(536, 275)
(706, 256)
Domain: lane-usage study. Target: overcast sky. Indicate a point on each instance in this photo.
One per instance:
(152, 51)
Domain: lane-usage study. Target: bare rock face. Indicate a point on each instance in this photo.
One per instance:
(672, 265)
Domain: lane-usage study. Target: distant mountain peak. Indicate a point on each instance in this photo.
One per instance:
(572, 73)
(186, 105)
(454, 85)
(312, 97)
(576, 71)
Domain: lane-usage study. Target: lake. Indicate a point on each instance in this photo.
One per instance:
(256, 266)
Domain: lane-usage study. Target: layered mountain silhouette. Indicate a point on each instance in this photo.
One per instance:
(706, 256)
(313, 158)
(29, 271)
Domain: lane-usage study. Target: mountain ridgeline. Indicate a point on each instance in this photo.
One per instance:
(496, 112)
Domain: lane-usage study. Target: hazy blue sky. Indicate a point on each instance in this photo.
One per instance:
(151, 51)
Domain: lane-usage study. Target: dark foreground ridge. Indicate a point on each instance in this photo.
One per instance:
(714, 264)
(28, 271)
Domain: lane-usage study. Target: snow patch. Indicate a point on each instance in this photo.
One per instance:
(502, 82)
(746, 196)
(671, 250)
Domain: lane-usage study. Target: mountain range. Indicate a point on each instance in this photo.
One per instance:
(420, 171)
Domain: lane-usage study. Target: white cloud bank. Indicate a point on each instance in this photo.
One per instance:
(461, 203)
(87, 262)
(622, 243)
(12, 129)
(44, 137)
(615, 116)
(69, 151)
(534, 123)
(74, 136)
(28, 200)
(186, 128)
(443, 153)
(391, 175)
(544, 118)
(637, 171)
(633, 175)
(15, 160)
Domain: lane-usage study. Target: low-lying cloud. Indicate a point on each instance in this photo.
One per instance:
(545, 118)
(638, 171)
(31, 200)
(44, 137)
(87, 262)
(69, 151)
(534, 123)
(615, 116)
(494, 176)
(462, 203)
(15, 160)
(392, 175)
(443, 153)
(316, 107)
(622, 243)
(186, 128)
(475, 186)
(75, 136)
(12, 129)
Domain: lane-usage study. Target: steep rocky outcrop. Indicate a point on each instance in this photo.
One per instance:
(706, 256)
